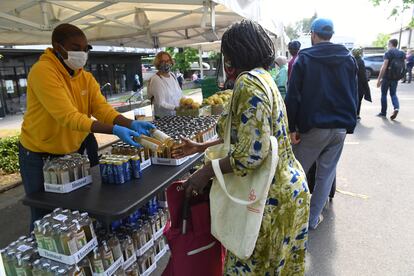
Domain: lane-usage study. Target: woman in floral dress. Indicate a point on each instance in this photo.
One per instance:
(281, 245)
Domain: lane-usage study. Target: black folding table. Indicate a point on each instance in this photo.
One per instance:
(107, 202)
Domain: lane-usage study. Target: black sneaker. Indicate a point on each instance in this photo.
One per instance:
(381, 115)
(394, 114)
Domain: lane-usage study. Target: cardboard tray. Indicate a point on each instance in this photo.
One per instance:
(170, 161)
(145, 164)
(150, 270)
(68, 187)
(145, 248)
(131, 260)
(72, 259)
(112, 269)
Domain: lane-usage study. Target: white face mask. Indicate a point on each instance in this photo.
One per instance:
(76, 59)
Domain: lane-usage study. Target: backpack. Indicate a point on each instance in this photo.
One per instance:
(396, 69)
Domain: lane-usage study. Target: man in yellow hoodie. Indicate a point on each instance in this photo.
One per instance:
(61, 99)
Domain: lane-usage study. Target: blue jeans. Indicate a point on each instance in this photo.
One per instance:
(392, 86)
(323, 146)
(31, 170)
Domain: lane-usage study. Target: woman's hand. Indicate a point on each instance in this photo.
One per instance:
(187, 147)
(197, 182)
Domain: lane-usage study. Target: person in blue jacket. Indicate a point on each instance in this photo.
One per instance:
(321, 103)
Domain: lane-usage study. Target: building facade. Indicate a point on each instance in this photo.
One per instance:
(119, 69)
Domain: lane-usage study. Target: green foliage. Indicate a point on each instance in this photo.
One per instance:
(293, 31)
(397, 9)
(9, 154)
(183, 58)
(214, 56)
(381, 41)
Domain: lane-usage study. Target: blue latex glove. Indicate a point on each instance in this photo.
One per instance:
(125, 134)
(142, 127)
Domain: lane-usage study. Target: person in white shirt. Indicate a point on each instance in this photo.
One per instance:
(163, 89)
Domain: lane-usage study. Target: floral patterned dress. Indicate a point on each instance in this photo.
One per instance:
(281, 246)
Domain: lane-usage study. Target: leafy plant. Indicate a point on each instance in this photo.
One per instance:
(9, 154)
(294, 31)
(397, 9)
(381, 41)
(183, 58)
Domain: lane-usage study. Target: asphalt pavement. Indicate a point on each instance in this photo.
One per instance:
(368, 228)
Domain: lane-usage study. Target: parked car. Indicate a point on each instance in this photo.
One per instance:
(373, 63)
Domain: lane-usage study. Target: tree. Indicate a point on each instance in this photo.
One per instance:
(183, 58)
(381, 41)
(294, 31)
(397, 9)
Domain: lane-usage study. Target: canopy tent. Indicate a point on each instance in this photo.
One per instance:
(134, 23)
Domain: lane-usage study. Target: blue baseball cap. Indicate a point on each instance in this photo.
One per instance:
(322, 26)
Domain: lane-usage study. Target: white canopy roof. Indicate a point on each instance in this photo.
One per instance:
(134, 23)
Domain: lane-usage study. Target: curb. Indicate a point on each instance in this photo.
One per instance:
(10, 186)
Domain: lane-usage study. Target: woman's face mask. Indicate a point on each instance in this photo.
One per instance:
(229, 69)
(165, 67)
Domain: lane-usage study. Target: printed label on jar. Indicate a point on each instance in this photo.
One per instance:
(60, 217)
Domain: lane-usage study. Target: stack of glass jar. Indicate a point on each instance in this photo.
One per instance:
(137, 235)
(118, 169)
(66, 169)
(63, 231)
(199, 129)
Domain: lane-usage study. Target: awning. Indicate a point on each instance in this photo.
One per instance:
(134, 23)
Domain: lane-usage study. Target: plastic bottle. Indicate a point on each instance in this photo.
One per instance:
(38, 233)
(49, 241)
(86, 166)
(79, 234)
(87, 226)
(106, 254)
(97, 262)
(7, 256)
(86, 266)
(63, 173)
(37, 268)
(115, 247)
(56, 234)
(68, 241)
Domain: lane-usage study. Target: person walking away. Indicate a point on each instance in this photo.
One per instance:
(180, 78)
(163, 88)
(364, 92)
(293, 48)
(282, 74)
(321, 105)
(281, 245)
(62, 98)
(410, 65)
(392, 70)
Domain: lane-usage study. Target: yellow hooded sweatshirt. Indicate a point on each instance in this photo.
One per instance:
(60, 106)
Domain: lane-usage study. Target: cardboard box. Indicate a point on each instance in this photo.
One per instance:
(202, 111)
(217, 109)
(72, 259)
(112, 269)
(145, 164)
(130, 261)
(145, 248)
(68, 187)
